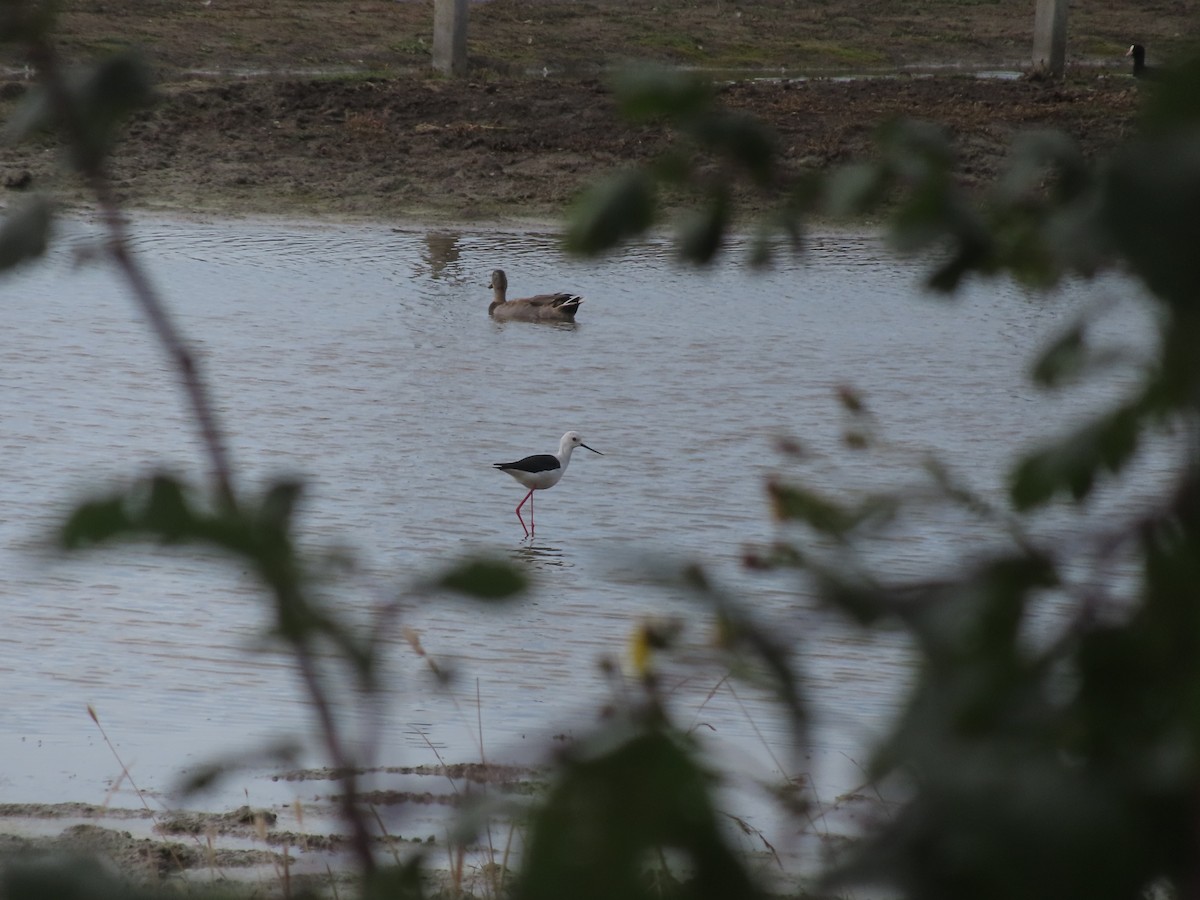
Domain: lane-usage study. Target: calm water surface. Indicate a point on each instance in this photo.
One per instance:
(362, 359)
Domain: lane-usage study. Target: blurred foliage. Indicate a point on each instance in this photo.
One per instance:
(90, 106)
(622, 801)
(484, 579)
(163, 510)
(25, 233)
(1061, 768)
(1065, 765)
(716, 146)
(62, 876)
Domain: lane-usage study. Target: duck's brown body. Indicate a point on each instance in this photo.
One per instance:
(540, 308)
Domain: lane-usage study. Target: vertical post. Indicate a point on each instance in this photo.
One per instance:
(450, 36)
(1050, 37)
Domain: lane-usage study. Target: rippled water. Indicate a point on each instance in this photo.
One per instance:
(362, 359)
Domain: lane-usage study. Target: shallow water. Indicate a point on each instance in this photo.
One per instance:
(362, 359)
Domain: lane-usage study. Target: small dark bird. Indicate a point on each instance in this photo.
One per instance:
(1140, 69)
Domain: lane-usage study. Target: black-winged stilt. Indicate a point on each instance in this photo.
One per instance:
(542, 308)
(542, 471)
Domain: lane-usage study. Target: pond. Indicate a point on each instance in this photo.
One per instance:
(362, 359)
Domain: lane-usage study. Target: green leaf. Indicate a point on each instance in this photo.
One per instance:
(164, 509)
(971, 254)
(1073, 237)
(620, 207)
(25, 233)
(95, 522)
(612, 813)
(1062, 360)
(280, 753)
(916, 150)
(167, 512)
(857, 188)
(792, 503)
(156, 508)
(739, 137)
(783, 225)
(1153, 212)
(66, 873)
(26, 22)
(279, 503)
(34, 112)
(701, 230)
(484, 579)
(1071, 466)
(955, 490)
(406, 881)
(672, 167)
(761, 249)
(102, 99)
(1174, 99)
(1036, 154)
(923, 217)
(648, 92)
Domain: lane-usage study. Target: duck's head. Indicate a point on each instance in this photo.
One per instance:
(499, 280)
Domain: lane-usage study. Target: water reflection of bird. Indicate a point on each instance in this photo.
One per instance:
(541, 308)
(1140, 69)
(443, 251)
(542, 556)
(543, 471)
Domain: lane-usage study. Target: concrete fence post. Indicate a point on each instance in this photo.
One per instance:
(1050, 37)
(450, 36)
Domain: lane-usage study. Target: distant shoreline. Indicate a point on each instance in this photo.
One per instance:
(420, 149)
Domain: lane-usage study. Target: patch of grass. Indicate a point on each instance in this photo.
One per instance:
(826, 53)
(417, 45)
(678, 46)
(102, 46)
(351, 76)
(1094, 45)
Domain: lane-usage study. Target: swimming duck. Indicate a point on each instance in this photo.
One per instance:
(540, 308)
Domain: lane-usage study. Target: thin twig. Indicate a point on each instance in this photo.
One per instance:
(360, 836)
(185, 362)
(45, 61)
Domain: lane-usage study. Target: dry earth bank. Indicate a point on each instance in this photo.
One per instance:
(328, 107)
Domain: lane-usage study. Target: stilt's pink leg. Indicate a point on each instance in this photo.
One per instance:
(532, 524)
(519, 505)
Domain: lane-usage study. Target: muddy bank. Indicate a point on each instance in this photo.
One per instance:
(331, 107)
(415, 146)
(277, 848)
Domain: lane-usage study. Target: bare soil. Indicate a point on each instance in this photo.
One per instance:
(282, 850)
(330, 107)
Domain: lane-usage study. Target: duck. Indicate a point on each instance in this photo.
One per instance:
(540, 308)
(1140, 69)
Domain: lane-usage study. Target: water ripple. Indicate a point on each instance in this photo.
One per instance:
(361, 358)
